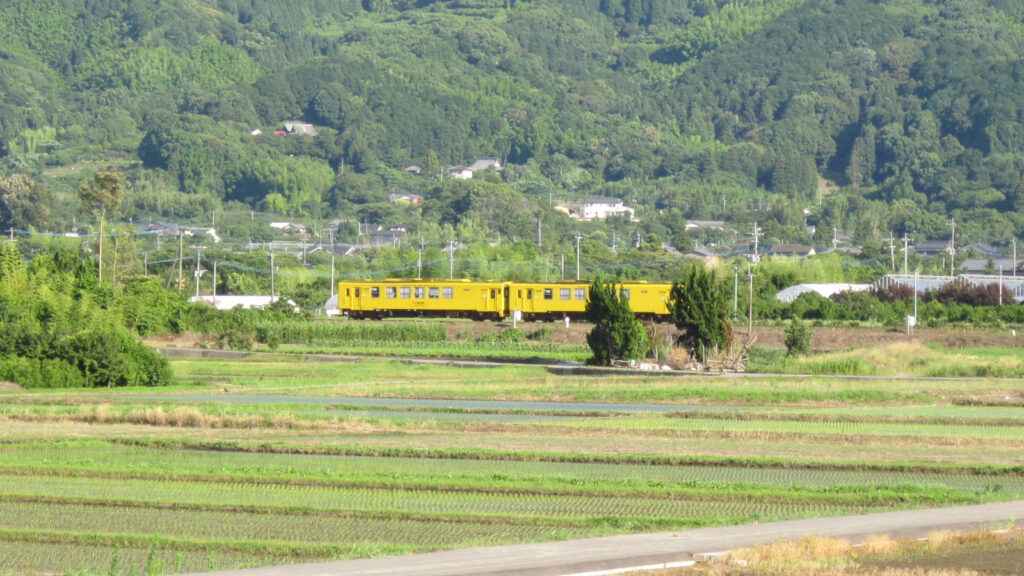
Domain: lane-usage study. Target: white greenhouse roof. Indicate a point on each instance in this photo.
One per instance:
(827, 290)
(230, 301)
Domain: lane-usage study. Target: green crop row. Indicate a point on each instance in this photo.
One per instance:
(522, 351)
(49, 557)
(464, 499)
(646, 423)
(299, 528)
(333, 472)
(343, 331)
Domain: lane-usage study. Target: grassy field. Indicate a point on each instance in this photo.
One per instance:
(270, 459)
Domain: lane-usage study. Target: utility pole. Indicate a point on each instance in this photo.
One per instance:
(915, 299)
(145, 264)
(540, 240)
(1014, 257)
(330, 234)
(892, 252)
(1000, 285)
(214, 291)
(952, 246)
(198, 273)
(578, 238)
(757, 235)
(563, 266)
(113, 273)
(181, 257)
(735, 290)
(906, 248)
(419, 263)
(750, 304)
(271, 275)
(835, 237)
(451, 259)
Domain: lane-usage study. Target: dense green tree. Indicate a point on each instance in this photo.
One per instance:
(24, 202)
(617, 334)
(699, 309)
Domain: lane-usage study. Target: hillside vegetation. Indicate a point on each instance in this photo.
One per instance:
(870, 116)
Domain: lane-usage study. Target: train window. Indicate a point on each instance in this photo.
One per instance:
(493, 293)
(375, 292)
(405, 292)
(529, 294)
(625, 292)
(581, 293)
(520, 293)
(549, 293)
(419, 292)
(357, 292)
(433, 292)
(565, 294)
(348, 292)
(447, 293)
(390, 291)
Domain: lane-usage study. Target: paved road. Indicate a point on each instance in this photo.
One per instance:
(577, 556)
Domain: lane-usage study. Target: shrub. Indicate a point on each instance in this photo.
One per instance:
(542, 333)
(111, 359)
(40, 373)
(798, 338)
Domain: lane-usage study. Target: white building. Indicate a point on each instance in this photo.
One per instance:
(598, 208)
(467, 172)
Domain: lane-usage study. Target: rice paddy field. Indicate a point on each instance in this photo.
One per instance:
(271, 459)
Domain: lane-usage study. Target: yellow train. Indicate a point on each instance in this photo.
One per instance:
(489, 300)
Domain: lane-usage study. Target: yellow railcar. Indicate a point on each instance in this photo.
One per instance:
(490, 300)
(447, 298)
(548, 300)
(555, 300)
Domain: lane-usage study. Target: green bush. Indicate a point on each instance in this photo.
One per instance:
(40, 373)
(542, 333)
(111, 359)
(798, 338)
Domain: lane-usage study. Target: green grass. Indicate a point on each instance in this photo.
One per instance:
(205, 475)
(904, 358)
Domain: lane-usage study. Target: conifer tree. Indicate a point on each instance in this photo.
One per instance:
(699, 308)
(617, 334)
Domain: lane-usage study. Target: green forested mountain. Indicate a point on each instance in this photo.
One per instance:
(873, 116)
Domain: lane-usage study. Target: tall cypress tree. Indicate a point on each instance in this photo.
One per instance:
(617, 334)
(699, 308)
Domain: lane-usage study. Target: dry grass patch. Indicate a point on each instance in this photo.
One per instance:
(940, 554)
